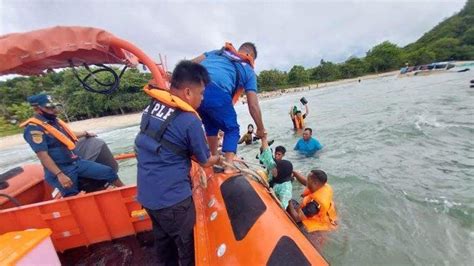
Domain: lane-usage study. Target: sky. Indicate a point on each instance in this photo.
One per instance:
(286, 33)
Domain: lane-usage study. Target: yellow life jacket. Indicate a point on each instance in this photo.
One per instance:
(299, 122)
(167, 98)
(326, 219)
(69, 141)
(243, 57)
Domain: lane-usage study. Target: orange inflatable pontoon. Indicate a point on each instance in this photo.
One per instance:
(238, 220)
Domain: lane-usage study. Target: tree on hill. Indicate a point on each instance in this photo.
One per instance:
(326, 71)
(269, 79)
(353, 67)
(384, 56)
(298, 76)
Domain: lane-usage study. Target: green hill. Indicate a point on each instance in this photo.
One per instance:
(452, 39)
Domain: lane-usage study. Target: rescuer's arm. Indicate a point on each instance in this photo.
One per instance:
(199, 59)
(47, 162)
(198, 145)
(255, 112)
(80, 134)
(300, 178)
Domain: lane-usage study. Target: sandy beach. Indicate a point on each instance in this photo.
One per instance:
(110, 122)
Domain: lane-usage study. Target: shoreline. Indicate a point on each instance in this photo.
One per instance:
(280, 92)
(106, 123)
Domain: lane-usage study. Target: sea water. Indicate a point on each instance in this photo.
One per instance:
(399, 153)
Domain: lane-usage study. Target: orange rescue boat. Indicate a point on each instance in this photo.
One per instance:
(238, 220)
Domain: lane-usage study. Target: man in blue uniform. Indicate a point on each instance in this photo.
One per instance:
(167, 140)
(54, 143)
(228, 73)
(308, 145)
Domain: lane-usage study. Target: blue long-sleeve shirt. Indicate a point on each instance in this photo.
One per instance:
(308, 148)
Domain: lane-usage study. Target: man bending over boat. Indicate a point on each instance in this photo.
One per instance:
(317, 211)
(54, 143)
(231, 73)
(170, 134)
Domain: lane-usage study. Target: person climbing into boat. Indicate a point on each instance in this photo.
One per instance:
(308, 145)
(231, 73)
(297, 117)
(169, 137)
(317, 211)
(54, 143)
(279, 173)
(279, 152)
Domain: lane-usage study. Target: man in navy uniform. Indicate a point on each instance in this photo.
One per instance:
(168, 138)
(54, 143)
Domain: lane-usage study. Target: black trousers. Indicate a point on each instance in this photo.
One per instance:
(173, 230)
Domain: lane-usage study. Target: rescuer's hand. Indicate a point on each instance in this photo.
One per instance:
(65, 181)
(261, 132)
(90, 134)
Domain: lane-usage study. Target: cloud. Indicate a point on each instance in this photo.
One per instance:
(285, 32)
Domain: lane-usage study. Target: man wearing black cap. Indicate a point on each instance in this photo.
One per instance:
(54, 143)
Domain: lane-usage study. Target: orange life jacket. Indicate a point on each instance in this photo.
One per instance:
(69, 140)
(326, 219)
(299, 122)
(167, 98)
(243, 57)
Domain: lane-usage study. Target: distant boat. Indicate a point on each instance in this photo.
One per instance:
(437, 67)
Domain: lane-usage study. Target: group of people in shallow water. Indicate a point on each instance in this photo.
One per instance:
(202, 92)
(280, 175)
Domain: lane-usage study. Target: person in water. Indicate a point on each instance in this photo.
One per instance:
(168, 138)
(317, 211)
(298, 118)
(279, 172)
(308, 145)
(279, 152)
(54, 143)
(231, 72)
(249, 137)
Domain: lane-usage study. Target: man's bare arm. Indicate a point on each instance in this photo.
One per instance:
(255, 112)
(199, 59)
(300, 178)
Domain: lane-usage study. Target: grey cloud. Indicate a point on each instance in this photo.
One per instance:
(286, 33)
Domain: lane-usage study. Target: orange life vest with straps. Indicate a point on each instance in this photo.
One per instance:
(69, 140)
(167, 98)
(243, 57)
(326, 219)
(299, 122)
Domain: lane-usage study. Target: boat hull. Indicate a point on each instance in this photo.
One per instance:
(238, 221)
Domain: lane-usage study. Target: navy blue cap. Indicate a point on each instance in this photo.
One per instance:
(41, 99)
